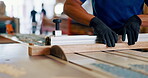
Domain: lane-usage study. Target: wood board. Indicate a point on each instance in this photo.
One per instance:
(39, 50)
(116, 60)
(134, 53)
(98, 65)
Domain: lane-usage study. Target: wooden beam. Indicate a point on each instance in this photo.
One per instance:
(101, 47)
(60, 51)
(39, 50)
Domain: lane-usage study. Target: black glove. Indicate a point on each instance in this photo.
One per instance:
(131, 28)
(103, 32)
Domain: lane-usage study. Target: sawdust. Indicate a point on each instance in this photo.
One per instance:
(11, 70)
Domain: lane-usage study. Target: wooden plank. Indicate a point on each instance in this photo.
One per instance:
(97, 66)
(102, 47)
(90, 71)
(134, 53)
(39, 50)
(122, 54)
(87, 47)
(124, 62)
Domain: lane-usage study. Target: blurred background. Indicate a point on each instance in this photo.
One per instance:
(19, 14)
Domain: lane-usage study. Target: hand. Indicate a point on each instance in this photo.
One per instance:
(131, 28)
(103, 32)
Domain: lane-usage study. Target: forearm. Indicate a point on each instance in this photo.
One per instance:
(74, 10)
(144, 19)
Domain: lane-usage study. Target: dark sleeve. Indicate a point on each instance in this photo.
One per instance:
(146, 2)
(82, 1)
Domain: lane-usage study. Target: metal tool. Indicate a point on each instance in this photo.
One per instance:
(57, 31)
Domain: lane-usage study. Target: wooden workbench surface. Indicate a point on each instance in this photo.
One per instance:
(16, 63)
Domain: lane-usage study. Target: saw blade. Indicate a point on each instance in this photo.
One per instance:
(57, 52)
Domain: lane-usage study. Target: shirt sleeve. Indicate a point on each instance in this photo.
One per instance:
(146, 2)
(82, 1)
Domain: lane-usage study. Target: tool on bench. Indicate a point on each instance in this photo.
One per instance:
(57, 31)
(58, 39)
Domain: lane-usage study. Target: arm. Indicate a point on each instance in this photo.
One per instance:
(144, 19)
(104, 34)
(74, 9)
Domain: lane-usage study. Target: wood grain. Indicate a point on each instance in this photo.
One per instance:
(39, 50)
(124, 54)
(135, 53)
(103, 66)
(116, 60)
(16, 57)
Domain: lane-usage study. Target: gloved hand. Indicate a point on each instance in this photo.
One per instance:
(131, 28)
(103, 32)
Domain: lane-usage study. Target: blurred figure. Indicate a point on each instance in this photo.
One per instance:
(43, 12)
(34, 22)
(2, 8)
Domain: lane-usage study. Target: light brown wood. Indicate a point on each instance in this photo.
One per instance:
(101, 47)
(92, 63)
(135, 53)
(15, 56)
(87, 63)
(128, 55)
(39, 50)
(116, 60)
(100, 73)
(145, 9)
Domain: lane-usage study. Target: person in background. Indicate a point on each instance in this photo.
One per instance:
(43, 12)
(2, 8)
(109, 19)
(34, 22)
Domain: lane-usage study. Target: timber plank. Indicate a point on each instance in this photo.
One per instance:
(38, 50)
(102, 47)
(118, 61)
(97, 66)
(127, 55)
(134, 53)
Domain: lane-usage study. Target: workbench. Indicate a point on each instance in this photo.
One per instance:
(16, 63)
